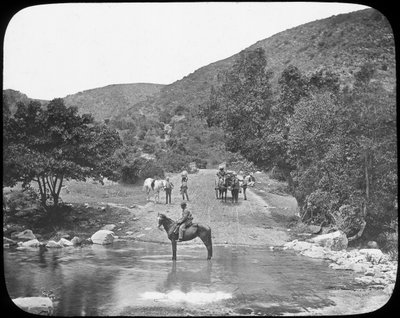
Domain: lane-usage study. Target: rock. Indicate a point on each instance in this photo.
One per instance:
(359, 268)
(314, 252)
(30, 243)
(9, 241)
(35, 305)
(65, 242)
(313, 228)
(301, 246)
(62, 234)
(129, 233)
(372, 244)
(76, 240)
(372, 255)
(109, 227)
(25, 235)
(288, 245)
(53, 244)
(102, 237)
(336, 241)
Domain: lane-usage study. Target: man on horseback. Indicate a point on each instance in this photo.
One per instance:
(185, 220)
(221, 173)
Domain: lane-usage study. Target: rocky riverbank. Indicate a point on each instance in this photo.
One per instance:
(378, 271)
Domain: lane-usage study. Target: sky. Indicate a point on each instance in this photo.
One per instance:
(55, 50)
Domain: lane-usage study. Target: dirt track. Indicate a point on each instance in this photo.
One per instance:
(248, 222)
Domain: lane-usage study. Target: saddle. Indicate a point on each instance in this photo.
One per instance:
(176, 229)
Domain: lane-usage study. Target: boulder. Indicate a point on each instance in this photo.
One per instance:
(76, 240)
(65, 242)
(372, 244)
(372, 255)
(30, 243)
(25, 235)
(103, 237)
(53, 244)
(335, 241)
(35, 305)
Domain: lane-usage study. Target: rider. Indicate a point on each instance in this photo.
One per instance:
(185, 220)
(221, 173)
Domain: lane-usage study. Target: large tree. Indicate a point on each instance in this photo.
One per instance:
(48, 145)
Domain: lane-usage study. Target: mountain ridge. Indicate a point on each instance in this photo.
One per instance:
(341, 43)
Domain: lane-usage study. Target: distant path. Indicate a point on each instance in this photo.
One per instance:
(248, 222)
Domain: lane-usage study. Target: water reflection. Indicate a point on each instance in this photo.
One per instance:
(183, 279)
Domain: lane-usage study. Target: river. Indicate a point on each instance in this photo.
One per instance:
(129, 275)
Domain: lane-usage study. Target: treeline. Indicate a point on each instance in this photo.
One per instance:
(335, 144)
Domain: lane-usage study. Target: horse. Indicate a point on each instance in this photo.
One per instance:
(157, 186)
(222, 188)
(193, 231)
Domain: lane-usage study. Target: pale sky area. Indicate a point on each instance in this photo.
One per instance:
(59, 49)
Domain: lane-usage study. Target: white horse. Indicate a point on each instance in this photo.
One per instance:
(158, 185)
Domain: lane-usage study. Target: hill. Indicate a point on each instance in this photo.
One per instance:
(341, 43)
(106, 101)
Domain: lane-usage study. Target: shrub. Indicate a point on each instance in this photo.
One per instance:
(22, 199)
(139, 169)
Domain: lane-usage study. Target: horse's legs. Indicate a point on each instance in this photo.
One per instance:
(173, 250)
(206, 238)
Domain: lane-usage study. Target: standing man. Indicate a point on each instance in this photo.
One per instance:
(168, 189)
(244, 185)
(184, 187)
(185, 221)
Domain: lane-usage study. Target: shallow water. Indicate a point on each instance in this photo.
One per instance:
(108, 280)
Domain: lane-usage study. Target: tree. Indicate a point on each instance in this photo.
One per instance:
(53, 144)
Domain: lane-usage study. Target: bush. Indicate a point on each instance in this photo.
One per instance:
(22, 199)
(139, 169)
(277, 174)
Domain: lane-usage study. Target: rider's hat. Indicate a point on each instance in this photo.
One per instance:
(183, 204)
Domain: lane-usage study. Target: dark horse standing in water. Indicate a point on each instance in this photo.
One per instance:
(193, 231)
